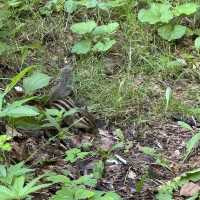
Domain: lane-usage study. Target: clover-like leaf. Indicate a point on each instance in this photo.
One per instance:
(91, 3)
(106, 29)
(82, 47)
(104, 45)
(83, 27)
(70, 6)
(172, 32)
(186, 9)
(156, 13)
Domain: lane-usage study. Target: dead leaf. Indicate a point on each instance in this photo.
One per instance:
(106, 143)
(189, 189)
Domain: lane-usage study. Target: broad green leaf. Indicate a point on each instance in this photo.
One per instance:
(168, 95)
(115, 3)
(14, 3)
(156, 13)
(81, 193)
(185, 125)
(20, 102)
(6, 193)
(34, 82)
(3, 171)
(4, 146)
(104, 6)
(91, 3)
(17, 78)
(191, 144)
(59, 179)
(53, 112)
(104, 45)
(83, 27)
(186, 9)
(197, 43)
(21, 111)
(82, 47)
(70, 112)
(70, 6)
(86, 180)
(106, 29)
(18, 184)
(148, 151)
(172, 32)
(64, 194)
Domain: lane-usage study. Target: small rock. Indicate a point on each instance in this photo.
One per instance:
(177, 154)
(132, 175)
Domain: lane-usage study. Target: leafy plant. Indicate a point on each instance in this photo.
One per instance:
(160, 160)
(93, 38)
(8, 174)
(54, 118)
(167, 18)
(34, 82)
(165, 191)
(13, 182)
(4, 143)
(185, 125)
(52, 5)
(121, 141)
(17, 108)
(197, 43)
(78, 189)
(193, 142)
(70, 6)
(74, 154)
(156, 13)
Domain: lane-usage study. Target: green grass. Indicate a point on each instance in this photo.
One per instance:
(146, 64)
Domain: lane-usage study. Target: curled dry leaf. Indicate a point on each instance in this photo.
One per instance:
(189, 189)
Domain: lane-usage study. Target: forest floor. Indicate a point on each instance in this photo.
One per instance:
(125, 89)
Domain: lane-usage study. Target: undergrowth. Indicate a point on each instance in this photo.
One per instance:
(125, 55)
